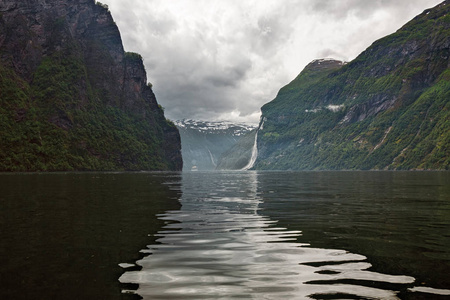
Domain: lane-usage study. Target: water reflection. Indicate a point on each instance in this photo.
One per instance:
(219, 245)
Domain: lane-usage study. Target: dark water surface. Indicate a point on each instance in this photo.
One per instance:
(63, 235)
(236, 235)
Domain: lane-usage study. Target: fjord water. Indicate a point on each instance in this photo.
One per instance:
(236, 235)
(63, 235)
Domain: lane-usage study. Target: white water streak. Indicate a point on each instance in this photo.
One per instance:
(212, 158)
(254, 150)
(384, 138)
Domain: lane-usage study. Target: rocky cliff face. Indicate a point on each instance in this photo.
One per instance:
(387, 109)
(72, 98)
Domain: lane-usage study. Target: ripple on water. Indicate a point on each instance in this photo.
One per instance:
(222, 248)
(245, 257)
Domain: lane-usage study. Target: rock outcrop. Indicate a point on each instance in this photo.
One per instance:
(72, 98)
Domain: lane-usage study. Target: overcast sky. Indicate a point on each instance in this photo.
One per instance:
(224, 59)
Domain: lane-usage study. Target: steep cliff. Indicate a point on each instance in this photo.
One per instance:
(387, 109)
(72, 98)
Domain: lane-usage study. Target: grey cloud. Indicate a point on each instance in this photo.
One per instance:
(193, 101)
(204, 89)
(330, 53)
(161, 25)
(273, 30)
(228, 77)
(341, 9)
(197, 99)
(203, 69)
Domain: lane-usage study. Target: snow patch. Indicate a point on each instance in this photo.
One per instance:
(215, 127)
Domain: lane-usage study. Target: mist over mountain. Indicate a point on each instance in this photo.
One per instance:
(387, 109)
(72, 98)
(204, 142)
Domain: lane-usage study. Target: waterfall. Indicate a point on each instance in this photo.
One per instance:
(254, 149)
(212, 158)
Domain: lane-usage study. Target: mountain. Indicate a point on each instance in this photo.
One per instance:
(387, 109)
(203, 142)
(72, 98)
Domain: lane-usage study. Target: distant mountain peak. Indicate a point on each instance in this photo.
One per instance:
(325, 63)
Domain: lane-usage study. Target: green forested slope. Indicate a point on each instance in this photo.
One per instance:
(71, 98)
(387, 109)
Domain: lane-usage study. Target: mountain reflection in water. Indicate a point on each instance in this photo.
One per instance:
(220, 245)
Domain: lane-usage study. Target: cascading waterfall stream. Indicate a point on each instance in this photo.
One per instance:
(212, 158)
(254, 149)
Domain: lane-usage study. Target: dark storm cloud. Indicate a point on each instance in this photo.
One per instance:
(227, 77)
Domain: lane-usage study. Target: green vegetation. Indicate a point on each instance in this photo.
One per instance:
(133, 57)
(393, 107)
(105, 6)
(67, 118)
(45, 127)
